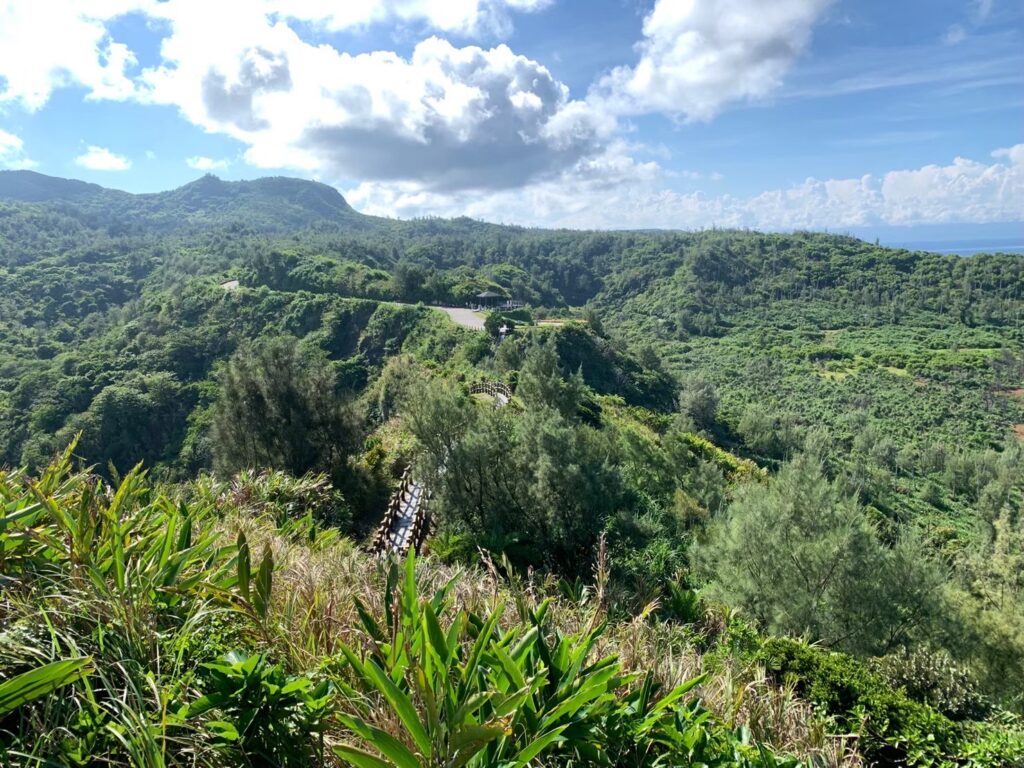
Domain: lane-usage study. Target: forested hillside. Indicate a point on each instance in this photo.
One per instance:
(777, 478)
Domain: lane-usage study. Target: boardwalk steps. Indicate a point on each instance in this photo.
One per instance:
(406, 522)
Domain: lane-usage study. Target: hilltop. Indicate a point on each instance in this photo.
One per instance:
(268, 204)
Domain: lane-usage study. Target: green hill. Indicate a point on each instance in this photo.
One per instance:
(724, 444)
(270, 204)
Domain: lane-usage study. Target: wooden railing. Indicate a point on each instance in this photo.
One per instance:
(407, 522)
(500, 392)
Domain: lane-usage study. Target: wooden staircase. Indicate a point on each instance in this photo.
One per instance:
(406, 522)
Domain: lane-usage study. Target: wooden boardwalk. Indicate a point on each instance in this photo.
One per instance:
(407, 522)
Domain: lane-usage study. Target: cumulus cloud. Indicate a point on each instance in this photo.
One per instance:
(12, 152)
(58, 43)
(48, 45)
(102, 159)
(697, 56)
(446, 118)
(474, 130)
(615, 191)
(452, 118)
(577, 196)
(201, 163)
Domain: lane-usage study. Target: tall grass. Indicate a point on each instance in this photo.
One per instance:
(153, 626)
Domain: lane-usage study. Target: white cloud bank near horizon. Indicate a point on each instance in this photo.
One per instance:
(472, 130)
(627, 196)
(206, 164)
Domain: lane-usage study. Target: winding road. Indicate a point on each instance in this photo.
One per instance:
(467, 318)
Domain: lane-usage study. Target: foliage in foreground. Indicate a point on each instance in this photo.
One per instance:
(140, 630)
(474, 694)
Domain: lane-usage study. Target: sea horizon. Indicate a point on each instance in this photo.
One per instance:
(961, 247)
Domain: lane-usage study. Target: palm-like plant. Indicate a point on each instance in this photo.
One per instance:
(431, 682)
(471, 693)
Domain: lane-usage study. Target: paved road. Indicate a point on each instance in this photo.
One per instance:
(464, 317)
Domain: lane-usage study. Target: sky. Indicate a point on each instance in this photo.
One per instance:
(904, 118)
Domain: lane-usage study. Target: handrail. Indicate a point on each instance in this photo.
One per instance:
(495, 389)
(407, 522)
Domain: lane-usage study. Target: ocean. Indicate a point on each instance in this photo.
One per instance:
(962, 247)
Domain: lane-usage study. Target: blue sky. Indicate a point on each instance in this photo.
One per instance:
(867, 116)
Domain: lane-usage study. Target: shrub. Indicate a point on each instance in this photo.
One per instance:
(427, 691)
(893, 729)
(934, 678)
(283, 498)
(262, 716)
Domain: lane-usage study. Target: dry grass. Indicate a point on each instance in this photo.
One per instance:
(316, 586)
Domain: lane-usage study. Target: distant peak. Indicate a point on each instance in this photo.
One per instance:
(276, 198)
(30, 186)
(206, 181)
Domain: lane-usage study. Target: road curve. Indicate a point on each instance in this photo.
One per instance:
(467, 318)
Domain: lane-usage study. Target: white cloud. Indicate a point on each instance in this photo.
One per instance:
(201, 163)
(49, 44)
(481, 130)
(615, 191)
(697, 56)
(982, 8)
(978, 12)
(458, 117)
(450, 117)
(12, 152)
(57, 43)
(102, 159)
(446, 118)
(461, 16)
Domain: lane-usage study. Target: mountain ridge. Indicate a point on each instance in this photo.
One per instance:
(271, 202)
(290, 201)
(33, 187)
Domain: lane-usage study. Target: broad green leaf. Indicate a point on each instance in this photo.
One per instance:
(471, 739)
(38, 682)
(369, 623)
(388, 745)
(436, 635)
(401, 703)
(264, 582)
(359, 758)
(539, 745)
(244, 565)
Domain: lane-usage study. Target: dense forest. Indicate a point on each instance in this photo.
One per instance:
(757, 499)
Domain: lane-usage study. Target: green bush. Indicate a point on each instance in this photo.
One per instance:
(463, 691)
(893, 729)
(261, 716)
(934, 678)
